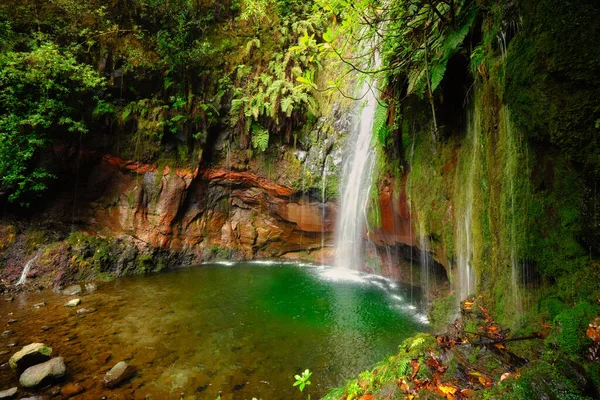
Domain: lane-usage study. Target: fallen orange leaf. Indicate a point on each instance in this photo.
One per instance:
(404, 386)
(447, 389)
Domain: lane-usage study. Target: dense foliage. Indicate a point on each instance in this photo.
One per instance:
(161, 79)
(45, 94)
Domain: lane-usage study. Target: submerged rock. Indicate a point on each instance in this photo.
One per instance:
(118, 374)
(8, 393)
(33, 376)
(71, 389)
(86, 310)
(72, 290)
(29, 355)
(90, 287)
(73, 303)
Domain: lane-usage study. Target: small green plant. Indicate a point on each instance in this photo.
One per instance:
(302, 380)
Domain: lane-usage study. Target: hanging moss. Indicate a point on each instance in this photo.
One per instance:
(553, 78)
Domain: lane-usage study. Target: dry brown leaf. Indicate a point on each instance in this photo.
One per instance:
(485, 381)
(404, 386)
(415, 368)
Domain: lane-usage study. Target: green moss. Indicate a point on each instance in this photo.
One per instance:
(538, 380)
(570, 326)
(441, 311)
(34, 238)
(553, 77)
(145, 263)
(553, 306)
(8, 234)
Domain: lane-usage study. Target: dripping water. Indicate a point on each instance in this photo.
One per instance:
(323, 205)
(425, 263)
(410, 230)
(465, 282)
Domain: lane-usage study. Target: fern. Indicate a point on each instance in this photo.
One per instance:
(404, 367)
(380, 128)
(252, 44)
(416, 343)
(260, 137)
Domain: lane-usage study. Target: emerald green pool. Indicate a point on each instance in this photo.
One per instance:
(240, 330)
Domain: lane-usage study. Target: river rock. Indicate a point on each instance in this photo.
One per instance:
(86, 310)
(8, 393)
(7, 333)
(73, 303)
(29, 355)
(72, 290)
(90, 287)
(52, 369)
(70, 390)
(118, 374)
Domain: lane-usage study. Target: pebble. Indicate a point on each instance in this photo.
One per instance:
(44, 328)
(118, 374)
(86, 310)
(103, 358)
(73, 303)
(70, 390)
(8, 393)
(38, 305)
(29, 355)
(12, 321)
(90, 287)
(7, 333)
(33, 376)
(71, 290)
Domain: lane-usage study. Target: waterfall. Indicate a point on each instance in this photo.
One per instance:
(357, 181)
(26, 269)
(465, 279)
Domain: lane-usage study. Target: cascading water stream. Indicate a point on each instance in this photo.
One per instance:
(26, 269)
(357, 180)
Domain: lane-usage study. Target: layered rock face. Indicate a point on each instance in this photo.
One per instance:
(201, 211)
